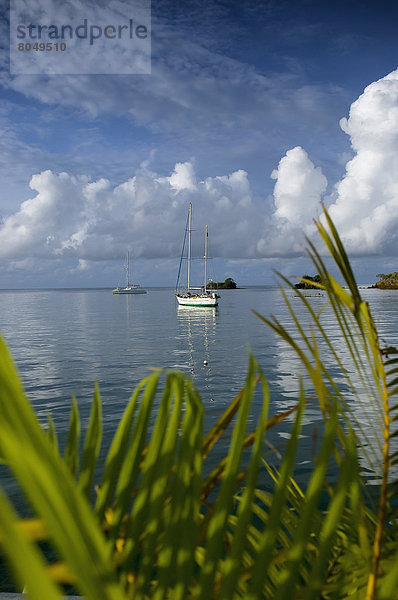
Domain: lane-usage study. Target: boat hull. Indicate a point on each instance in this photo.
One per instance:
(198, 300)
(131, 290)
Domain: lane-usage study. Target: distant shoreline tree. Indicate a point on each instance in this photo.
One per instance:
(387, 281)
(228, 284)
(305, 285)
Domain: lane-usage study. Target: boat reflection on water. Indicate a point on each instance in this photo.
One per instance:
(196, 338)
(197, 312)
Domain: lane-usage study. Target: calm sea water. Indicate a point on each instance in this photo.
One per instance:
(62, 340)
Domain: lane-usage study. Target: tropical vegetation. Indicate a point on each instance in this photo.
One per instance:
(160, 520)
(387, 281)
(309, 283)
(228, 284)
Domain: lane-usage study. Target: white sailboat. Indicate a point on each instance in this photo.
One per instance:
(194, 296)
(130, 287)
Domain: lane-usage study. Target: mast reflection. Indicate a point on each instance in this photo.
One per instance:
(196, 337)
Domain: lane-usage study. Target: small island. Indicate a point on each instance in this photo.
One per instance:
(228, 284)
(387, 281)
(306, 285)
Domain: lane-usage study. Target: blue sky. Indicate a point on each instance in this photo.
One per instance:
(241, 115)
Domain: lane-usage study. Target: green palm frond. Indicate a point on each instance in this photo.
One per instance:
(72, 450)
(92, 444)
(368, 407)
(52, 492)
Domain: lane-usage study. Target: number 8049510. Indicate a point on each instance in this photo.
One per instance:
(42, 46)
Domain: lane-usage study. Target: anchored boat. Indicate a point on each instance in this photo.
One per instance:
(131, 288)
(194, 296)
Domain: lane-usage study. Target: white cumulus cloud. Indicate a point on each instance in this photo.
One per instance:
(297, 195)
(182, 178)
(365, 201)
(72, 216)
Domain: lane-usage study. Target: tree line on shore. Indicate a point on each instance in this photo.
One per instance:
(387, 281)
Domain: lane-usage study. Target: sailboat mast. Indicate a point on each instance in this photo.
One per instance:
(189, 247)
(206, 238)
(127, 269)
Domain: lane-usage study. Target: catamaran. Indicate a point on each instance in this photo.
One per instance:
(194, 296)
(130, 288)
